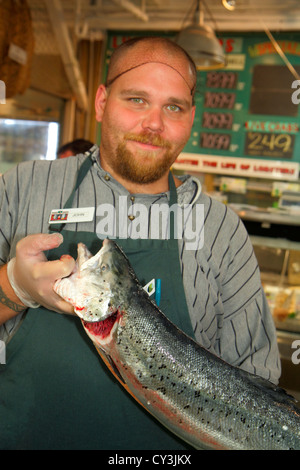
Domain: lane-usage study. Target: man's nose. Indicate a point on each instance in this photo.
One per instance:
(153, 120)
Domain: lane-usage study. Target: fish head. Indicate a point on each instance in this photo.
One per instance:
(99, 285)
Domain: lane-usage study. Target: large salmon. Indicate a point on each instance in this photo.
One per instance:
(199, 397)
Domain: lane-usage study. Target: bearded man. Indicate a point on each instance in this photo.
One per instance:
(55, 393)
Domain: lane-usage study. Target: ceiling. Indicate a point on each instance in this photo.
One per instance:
(96, 16)
(58, 25)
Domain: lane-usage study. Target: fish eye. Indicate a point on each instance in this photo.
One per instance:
(103, 267)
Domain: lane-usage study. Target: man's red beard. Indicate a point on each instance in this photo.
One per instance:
(144, 166)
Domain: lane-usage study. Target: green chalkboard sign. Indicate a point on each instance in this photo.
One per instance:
(250, 109)
(246, 110)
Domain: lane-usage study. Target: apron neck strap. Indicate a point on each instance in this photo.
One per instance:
(173, 206)
(172, 189)
(83, 170)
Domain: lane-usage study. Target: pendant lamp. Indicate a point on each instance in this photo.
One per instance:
(229, 4)
(201, 43)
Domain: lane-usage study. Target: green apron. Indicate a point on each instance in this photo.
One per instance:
(55, 391)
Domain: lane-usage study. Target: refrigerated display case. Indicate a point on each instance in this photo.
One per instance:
(275, 235)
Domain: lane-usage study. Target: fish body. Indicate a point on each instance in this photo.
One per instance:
(205, 401)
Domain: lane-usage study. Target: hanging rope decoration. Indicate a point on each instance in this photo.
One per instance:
(16, 46)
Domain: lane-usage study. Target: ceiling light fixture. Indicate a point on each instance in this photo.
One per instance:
(201, 43)
(229, 4)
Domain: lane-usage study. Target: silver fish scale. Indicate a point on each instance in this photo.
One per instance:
(212, 403)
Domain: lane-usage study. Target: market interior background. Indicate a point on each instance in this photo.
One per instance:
(245, 144)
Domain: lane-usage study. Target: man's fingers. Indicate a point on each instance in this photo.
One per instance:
(33, 276)
(54, 269)
(33, 245)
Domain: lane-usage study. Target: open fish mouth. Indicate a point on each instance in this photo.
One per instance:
(103, 329)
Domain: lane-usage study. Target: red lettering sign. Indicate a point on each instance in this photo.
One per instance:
(228, 165)
(208, 163)
(245, 167)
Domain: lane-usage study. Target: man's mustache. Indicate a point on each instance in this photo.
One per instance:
(146, 138)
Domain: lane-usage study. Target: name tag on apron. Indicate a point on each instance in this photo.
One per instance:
(74, 215)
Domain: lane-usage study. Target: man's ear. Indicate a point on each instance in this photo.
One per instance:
(100, 102)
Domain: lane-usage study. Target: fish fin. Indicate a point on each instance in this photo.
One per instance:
(111, 365)
(114, 370)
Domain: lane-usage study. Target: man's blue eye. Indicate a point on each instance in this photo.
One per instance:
(174, 108)
(136, 100)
